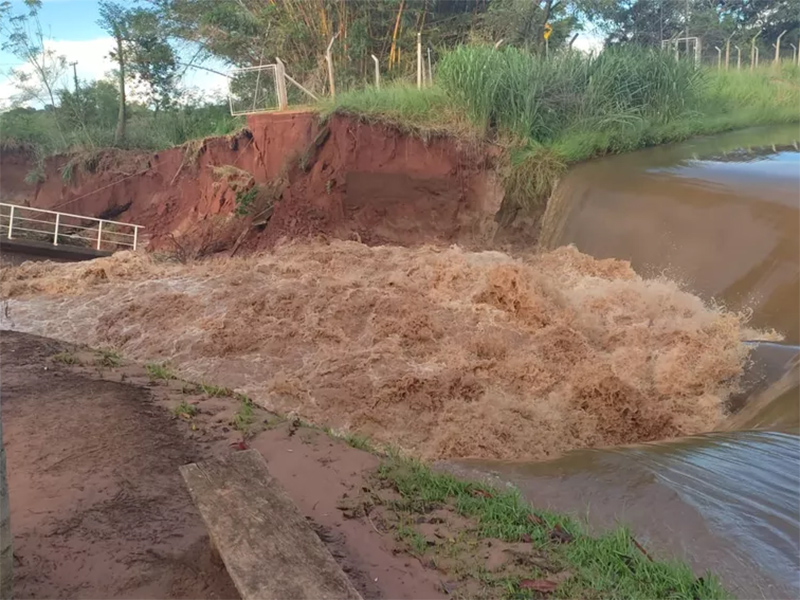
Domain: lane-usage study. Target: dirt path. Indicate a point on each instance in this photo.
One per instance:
(99, 509)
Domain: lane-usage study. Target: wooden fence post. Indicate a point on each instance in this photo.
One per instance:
(329, 60)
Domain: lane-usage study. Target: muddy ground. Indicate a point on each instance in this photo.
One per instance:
(98, 507)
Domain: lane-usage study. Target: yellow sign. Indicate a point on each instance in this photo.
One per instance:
(547, 30)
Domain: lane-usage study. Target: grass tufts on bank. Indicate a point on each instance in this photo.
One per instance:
(565, 561)
(572, 107)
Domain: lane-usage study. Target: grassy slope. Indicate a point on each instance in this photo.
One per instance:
(550, 114)
(580, 565)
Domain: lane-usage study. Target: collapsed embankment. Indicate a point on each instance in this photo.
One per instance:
(443, 352)
(344, 178)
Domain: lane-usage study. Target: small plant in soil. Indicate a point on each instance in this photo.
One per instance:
(244, 417)
(66, 358)
(215, 391)
(159, 371)
(184, 409)
(108, 358)
(244, 200)
(360, 442)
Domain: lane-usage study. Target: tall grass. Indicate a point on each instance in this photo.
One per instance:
(536, 98)
(554, 111)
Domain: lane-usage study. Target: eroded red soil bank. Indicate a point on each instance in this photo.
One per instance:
(344, 179)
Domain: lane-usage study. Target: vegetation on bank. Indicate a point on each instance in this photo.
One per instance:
(550, 112)
(545, 552)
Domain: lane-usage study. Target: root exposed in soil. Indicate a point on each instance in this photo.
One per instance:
(442, 352)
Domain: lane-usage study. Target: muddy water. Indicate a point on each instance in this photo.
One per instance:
(721, 215)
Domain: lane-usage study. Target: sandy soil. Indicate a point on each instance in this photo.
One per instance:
(99, 509)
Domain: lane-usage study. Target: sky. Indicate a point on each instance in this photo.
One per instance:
(72, 29)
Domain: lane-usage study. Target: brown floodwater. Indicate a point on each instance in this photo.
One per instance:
(721, 215)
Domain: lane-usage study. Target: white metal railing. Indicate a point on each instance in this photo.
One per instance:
(63, 228)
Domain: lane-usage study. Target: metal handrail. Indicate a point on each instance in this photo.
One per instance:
(110, 235)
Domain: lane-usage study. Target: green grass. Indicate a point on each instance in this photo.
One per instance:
(244, 417)
(185, 409)
(108, 358)
(159, 372)
(66, 358)
(215, 391)
(550, 113)
(359, 442)
(604, 566)
(426, 112)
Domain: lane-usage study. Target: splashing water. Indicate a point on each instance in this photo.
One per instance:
(441, 352)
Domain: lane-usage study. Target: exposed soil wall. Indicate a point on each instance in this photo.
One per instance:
(344, 179)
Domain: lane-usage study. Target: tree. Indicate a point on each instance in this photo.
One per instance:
(648, 22)
(152, 59)
(114, 19)
(25, 39)
(522, 23)
(143, 54)
(253, 32)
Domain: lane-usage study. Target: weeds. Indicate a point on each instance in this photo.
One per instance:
(244, 417)
(606, 566)
(245, 200)
(359, 442)
(35, 175)
(184, 409)
(68, 171)
(158, 372)
(108, 358)
(215, 391)
(66, 358)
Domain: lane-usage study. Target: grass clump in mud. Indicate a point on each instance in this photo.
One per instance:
(159, 372)
(66, 358)
(185, 410)
(108, 358)
(215, 391)
(244, 417)
(492, 544)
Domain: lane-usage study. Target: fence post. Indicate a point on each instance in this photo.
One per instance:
(377, 72)
(754, 52)
(11, 221)
(738, 58)
(719, 57)
(99, 234)
(778, 48)
(135, 236)
(419, 60)
(55, 234)
(280, 83)
(430, 69)
(727, 53)
(329, 60)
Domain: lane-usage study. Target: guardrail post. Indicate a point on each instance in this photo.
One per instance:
(99, 233)
(135, 236)
(55, 234)
(11, 221)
